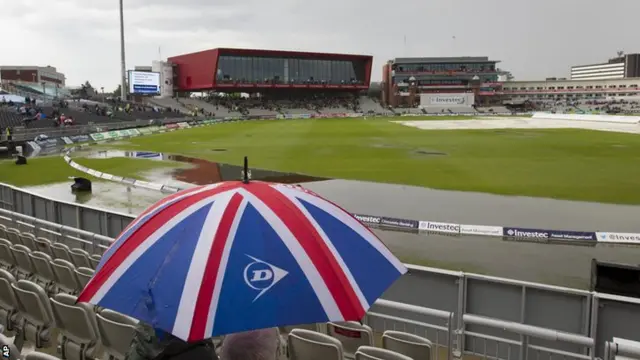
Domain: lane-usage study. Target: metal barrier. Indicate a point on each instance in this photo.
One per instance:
(27, 134)
(72, 237)
(381, 317)
(526, 332)
(380, 322)
(613, 349)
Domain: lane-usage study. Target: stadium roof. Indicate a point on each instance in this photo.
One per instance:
(439, 60)
(281, 53)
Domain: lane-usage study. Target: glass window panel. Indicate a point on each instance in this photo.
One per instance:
(243, 68)
(326, 70)
(235, 68)
(247, 68)
(312, 69)
(252, 69)
(279, 68)
(271, 68)
(257, 68)
(304, 74)
(250, 72)
(239, 71)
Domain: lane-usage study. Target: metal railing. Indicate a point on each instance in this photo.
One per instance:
(614, 349)
(72, 237)
(450, 338)
(440, 335)
(526, 332)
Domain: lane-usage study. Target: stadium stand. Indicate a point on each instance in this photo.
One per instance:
(40, 277)
(273, 105)
(370, 105)
(65, 113)
(596, 106)
(169, 103)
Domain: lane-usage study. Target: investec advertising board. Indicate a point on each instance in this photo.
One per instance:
(464, 99)
(142, 82)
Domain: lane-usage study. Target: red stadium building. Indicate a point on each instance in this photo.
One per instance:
(263, 71)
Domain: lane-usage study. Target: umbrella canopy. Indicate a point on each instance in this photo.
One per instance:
(238, 256)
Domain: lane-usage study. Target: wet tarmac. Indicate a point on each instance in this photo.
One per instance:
(558, 264)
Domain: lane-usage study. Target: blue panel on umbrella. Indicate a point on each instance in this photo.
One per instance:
(371, 270)
(122, 238)
(263, 285)
(163, 269)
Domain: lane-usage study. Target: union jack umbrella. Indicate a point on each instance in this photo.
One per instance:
(238, 256)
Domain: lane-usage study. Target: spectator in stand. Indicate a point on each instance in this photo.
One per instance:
(264, 344)
(152, 344)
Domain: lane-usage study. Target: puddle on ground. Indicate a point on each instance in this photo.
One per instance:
(202, 172)
(133, 200)
(429, 152)
(523, 134)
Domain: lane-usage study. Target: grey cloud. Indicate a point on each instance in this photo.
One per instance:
(534, 39)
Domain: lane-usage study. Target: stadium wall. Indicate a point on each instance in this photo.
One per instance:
(196, 71)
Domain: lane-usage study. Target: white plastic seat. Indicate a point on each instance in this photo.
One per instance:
(287, 329)
(80, 258)
(311, 345)
(24, 266)
(8, 301)
(43, 272)
(39, 356)
(116, 332)
(84, 275)
(43, 245)
(79, 335)
(373, 353)
(3, 231)
(65, 275)
(36, 314)
(352, 335)
(411, 345)
(6, 344)
(13, 235)
(7, 261)
(60, 251)
(95, 260)
(28, 240)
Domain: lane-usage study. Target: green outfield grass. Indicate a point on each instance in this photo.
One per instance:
(564, 164)
(53, 169)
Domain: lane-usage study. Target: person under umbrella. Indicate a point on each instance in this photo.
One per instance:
(238, 256)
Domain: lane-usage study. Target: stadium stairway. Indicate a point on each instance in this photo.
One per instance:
(168, 103)
(369, 105)
(40, 278)
(201, 104)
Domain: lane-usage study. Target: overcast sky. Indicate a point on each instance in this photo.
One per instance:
(533, 38)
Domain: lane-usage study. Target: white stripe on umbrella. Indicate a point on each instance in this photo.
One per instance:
(193, 281)
(311, 273)
(148, 214)
(347, 219)
(144, 246)
(352, 281)
(223, 268)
